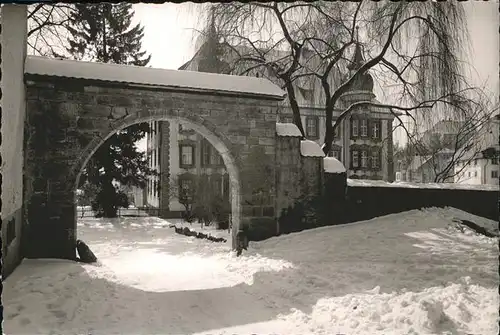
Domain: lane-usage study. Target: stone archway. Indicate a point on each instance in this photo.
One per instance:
(218, 140)
(67, 118)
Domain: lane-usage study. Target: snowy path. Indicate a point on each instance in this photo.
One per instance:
(407, 273)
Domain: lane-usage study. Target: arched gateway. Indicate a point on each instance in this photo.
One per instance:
(72, 107)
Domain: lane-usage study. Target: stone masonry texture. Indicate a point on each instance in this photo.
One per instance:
(67, 119)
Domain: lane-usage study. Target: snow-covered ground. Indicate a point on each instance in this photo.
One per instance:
(407, 273)
(450, 186)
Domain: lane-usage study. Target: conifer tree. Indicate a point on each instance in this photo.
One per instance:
(104, 33)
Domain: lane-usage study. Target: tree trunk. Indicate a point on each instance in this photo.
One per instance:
(329, 132)
(295, 107)
(108, 202)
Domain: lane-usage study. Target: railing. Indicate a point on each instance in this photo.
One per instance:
(86, 211)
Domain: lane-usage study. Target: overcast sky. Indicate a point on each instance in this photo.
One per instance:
(169, 36)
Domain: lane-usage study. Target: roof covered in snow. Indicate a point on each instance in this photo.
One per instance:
(287, 129)
(333, 165)
(310, 148)
(188, 80)
(381, 183)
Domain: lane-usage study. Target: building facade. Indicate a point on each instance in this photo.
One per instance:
(181, 157)
(363, 142)
(480, 166)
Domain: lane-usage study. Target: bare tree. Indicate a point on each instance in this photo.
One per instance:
(461, 140)
(410, 48)
(200, 200)
(47, 28)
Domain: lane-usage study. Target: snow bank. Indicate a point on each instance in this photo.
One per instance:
(310, 148)
(150, 76)
(434, 310)
(287, 129)
(408, 258)
(333, 165)
(380, 183)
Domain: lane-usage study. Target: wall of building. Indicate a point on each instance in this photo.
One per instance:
(13, 42)
(153, 154)
(477, 173)
(170, 135)
(345, 140)
(312, 105)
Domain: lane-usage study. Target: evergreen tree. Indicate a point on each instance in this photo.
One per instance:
(104, 33)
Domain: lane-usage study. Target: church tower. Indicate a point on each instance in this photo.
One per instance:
(367, 130)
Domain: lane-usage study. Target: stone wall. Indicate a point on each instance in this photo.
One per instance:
(367, 202)
(13, 52)
(299, 179)
(288, 175)
(67, 119)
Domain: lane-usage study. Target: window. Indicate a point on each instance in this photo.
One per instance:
(155, 188)
(187, 155)
(475, 162)
(355, 158)
(375, 159)
(312, 127)
(354, 126)
(215, 158)
(475, 173)
(336, 152)
(216, 185)
(494, 174)
(364, 127)
(186, 184)
(185, 189)
(364, 159)
(205, 153)
(376, 129)
(494, 160)
(468, 174)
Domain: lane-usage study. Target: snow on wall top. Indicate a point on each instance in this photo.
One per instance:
(333, 165)
(287, 129)
(381, 183)
(310, 148)
(37, 65)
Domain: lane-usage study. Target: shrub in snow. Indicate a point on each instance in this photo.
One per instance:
(306, 213)
(203, 214)
(188, 216)
(191, 233)
(221, 210)
(261, 228)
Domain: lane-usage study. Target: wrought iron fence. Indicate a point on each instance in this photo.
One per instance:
(86, 211)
